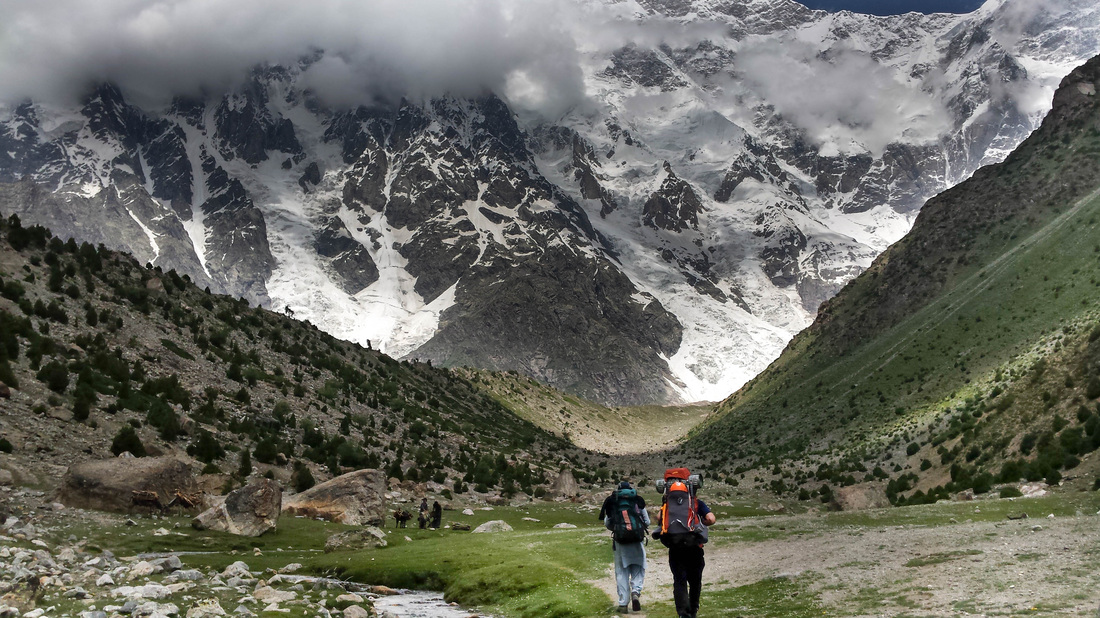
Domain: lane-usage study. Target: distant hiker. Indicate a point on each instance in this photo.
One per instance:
(437, 515)
(422, 515)
(625, 516)
(683, 530)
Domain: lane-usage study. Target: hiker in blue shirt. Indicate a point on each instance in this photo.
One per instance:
(682, 527)
(627, 519)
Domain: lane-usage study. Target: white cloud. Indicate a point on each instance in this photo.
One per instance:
(839, 95)
(389, 48)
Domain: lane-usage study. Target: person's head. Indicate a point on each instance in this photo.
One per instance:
(625, 485)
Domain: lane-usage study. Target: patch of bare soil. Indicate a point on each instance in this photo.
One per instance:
(1036, 566)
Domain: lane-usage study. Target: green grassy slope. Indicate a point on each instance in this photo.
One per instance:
(975, 329)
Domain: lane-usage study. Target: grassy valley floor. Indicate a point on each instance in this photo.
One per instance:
(936, 560)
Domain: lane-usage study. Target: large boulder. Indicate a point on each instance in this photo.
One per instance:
(355, 499)
(121, 484)
(860, 497)
(565, 486)
(249, 511)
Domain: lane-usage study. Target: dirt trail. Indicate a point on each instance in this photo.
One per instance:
(967, 568)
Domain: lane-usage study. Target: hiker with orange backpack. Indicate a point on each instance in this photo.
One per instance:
(625, 516)
(683, 530)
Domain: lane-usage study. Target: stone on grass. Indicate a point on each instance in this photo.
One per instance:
(460, 526)
(249, 511)
(497, 525)
(142, 569)
(467, 512)
(207, 608)
(237, 569)
(354, 611)
(267, 594)
(356, 540)
(355, 499)
(564, 526)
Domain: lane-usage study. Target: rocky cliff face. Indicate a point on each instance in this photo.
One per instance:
(661, 242)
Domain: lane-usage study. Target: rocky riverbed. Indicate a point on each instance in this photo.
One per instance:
(46, 572)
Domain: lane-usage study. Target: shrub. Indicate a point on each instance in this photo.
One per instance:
(55, 375)
(206, 448)
(1028, 442)
(303, 478)
(7, 376)
(912, 449)
(245, 468)
(5, 446)
(127, 440)
(1092, 391)
(1010, 492)
(266, 451)
(164, 418)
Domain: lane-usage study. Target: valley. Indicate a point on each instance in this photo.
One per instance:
(243, 334)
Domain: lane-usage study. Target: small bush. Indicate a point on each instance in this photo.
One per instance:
(1010, 492)
(55, 375)
(5, 446)
(127, 440)
(303, 478)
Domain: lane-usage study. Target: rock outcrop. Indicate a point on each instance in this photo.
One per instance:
(123, 483)
(355, 499)
(565, 486)
(249, 511)
(860, 497)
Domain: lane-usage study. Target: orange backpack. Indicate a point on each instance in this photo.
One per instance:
(680, 523)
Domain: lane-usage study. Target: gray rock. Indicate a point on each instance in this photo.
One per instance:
(169, 564)
(497, 525)
(354, 540)
(249, 511)
(354, 611)
(237, 569)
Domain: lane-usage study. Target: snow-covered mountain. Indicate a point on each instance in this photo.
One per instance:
(732, 165)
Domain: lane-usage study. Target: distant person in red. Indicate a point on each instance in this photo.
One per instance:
(682, 528)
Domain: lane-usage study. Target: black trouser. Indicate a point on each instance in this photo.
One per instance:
(687, 578)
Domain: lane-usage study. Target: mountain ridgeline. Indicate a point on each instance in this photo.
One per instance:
(99, 355)
(661, 241)
(967, 354)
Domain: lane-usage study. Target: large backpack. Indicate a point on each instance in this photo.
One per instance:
(627, 525)
(680, 523)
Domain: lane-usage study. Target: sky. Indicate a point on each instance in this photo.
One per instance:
(894, 7)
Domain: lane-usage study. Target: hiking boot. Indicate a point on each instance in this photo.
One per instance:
(622, 609)
(636, 602)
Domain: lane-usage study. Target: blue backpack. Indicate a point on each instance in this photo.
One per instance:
(627, 525)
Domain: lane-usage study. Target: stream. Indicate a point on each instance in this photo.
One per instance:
(420, 604)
